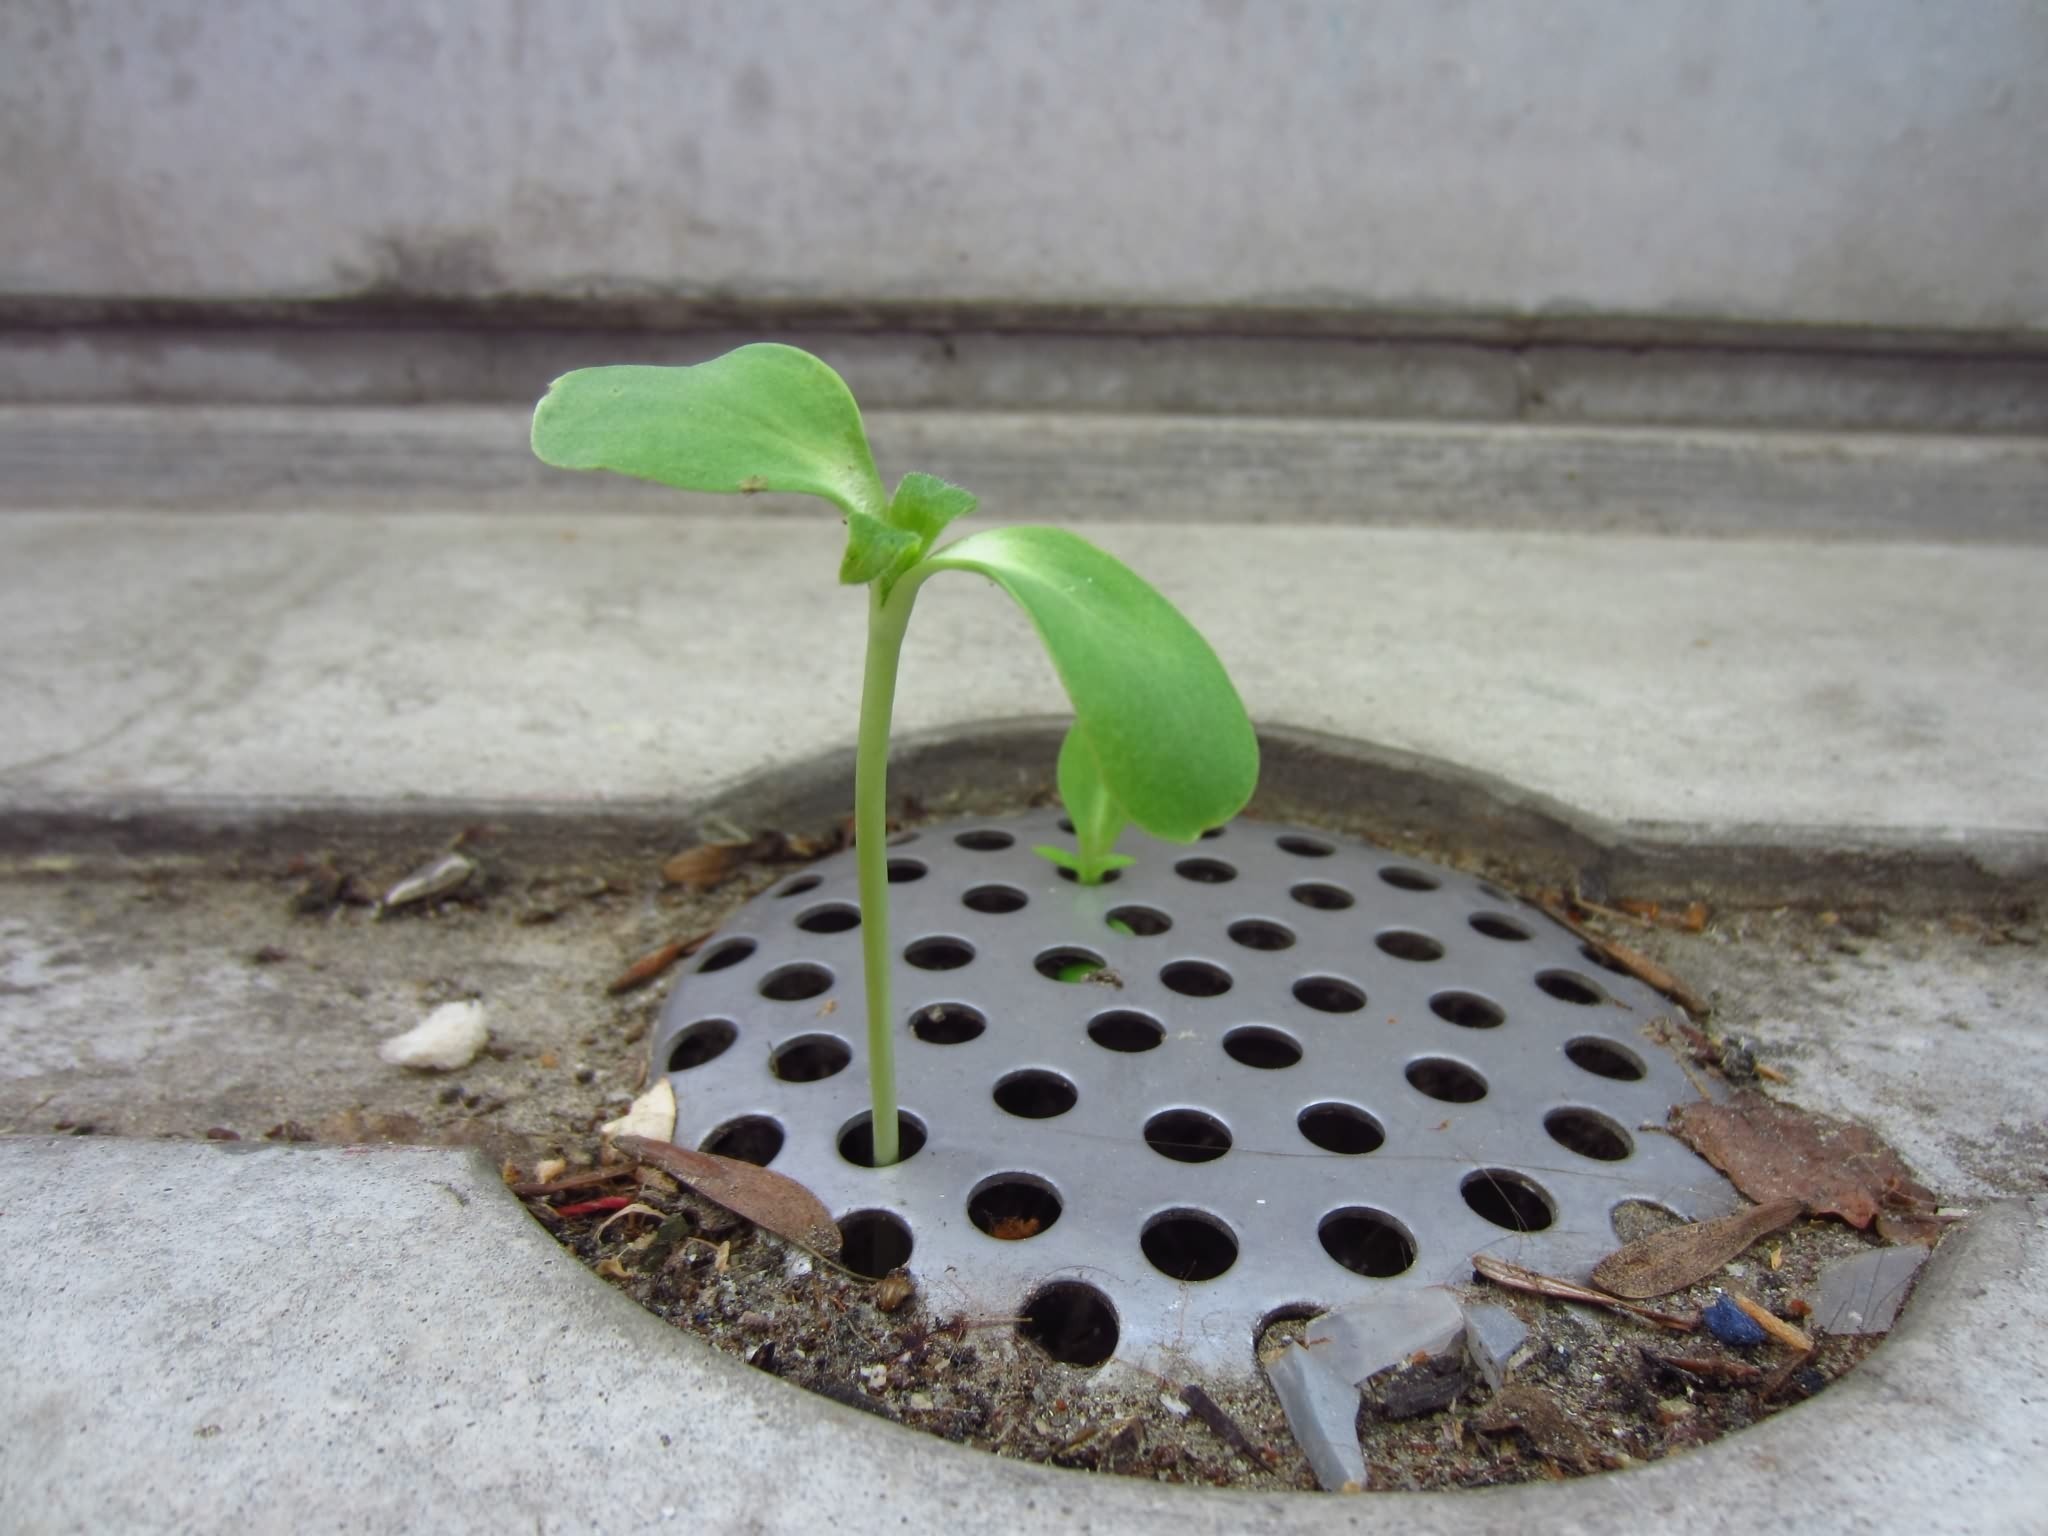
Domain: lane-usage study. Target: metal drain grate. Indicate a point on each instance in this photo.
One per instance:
(1305, 1071)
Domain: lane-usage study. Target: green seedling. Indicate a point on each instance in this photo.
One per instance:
(1160, 739)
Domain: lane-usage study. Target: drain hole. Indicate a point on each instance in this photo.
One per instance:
(873, 1242)
(1405, 944)
(1466, 1010)
(1066, 825)
(1326, 994)
(1107, 877)
(1036, 1094)
(1257, 1046)
(1588, 1134)
(836, 918)
(1367, 1242)
(1189, 1245)
(1570, 987)
(1123, 1030)
(1402, 878)
(1187, 1136)
(1195, 978)
(1451, 1081)
(1494, 926)
(1211, 833)
(1143, 922)
(1072, 1322)
(1205, 871)
(1341, 1128)
(1013, 1206)
(903, 871)
(939, 954)
(1508, 1199)
(808, 1058)
(731, 952)
(1603, 1058)
(857, 1138)
(1068, 964)
(984, 840)
(705, 1040)
(1324, 898)
(1257, 933)
(1306, 847)
(1601, 958)
(799, 885)
(750, 1139)
(794, 983)
(947, 1024)
(994, 899)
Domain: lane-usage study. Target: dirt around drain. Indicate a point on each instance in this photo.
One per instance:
(1627, 1391)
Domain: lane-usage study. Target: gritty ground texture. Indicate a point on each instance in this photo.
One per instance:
(199, 997)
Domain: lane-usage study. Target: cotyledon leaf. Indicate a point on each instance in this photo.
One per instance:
(764, 417)
(1170, 735)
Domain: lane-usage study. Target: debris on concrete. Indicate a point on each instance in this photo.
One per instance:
(1773, 1151)
(1731, 1325)
(1671, 1260)
(446, 1040)
(1864, 1294)
(654, 962)
(1785, 1333)
(1423, 1386)
(653, 1115)
(770, 1200)
(1322, 1411)
(430, 882)
(1225, 1428)
(1515, 1278)
(1549, 1431)
(1363, 1339)
(1495, 1339)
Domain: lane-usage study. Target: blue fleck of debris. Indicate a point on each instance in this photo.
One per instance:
(1731, 1325)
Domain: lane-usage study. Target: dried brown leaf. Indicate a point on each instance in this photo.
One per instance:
(1671, 1260)
(768, 1199)
(706, 865)
(1516, 1278)
(1772, 1151)
(1550, 1431)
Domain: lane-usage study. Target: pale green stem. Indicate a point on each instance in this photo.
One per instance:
(886, 623)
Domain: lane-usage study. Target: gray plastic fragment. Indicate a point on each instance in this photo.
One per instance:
(1864, 1294)
(1494, 1337)
(1322, 1410)
(1366, 1337)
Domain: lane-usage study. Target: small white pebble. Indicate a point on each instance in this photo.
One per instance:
(1173, 1405)
(446, 1040)
(921, 1401)
(653, 1114)
(874, 1377)
(798, 1267)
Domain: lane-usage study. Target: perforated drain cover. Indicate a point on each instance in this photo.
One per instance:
(1294, 1071)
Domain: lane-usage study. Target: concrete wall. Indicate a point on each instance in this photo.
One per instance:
(1838, 162)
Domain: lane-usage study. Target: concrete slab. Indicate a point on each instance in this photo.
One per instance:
(380, 1340)
(1898, 688)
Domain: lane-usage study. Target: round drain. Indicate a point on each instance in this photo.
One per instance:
(1282, 1069)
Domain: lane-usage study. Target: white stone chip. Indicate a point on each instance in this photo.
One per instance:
(446, 1040)
(1494, 1337)
(1356, 1341)
(1322, 1410)
(653, 1114)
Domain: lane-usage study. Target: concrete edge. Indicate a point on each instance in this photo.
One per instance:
(1935, 1432)
(1400, 799)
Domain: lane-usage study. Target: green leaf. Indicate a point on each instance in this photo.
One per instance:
(925, 504)
(1171, 740)
(1098, 820)
(762, 418)
(875, 549)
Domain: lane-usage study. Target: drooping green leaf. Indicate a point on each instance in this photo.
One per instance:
(1171, 740)
(925, 504)
(762, 418)
(874, 548)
